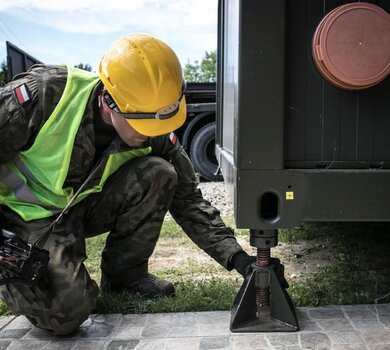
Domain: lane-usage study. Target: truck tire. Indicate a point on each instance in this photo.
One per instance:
(202, 153)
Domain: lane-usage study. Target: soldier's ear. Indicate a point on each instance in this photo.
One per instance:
(105, 111)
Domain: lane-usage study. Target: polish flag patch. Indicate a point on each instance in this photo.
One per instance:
(22, 94)
(173, 138)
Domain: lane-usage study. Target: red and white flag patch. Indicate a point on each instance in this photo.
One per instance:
(173, 138)
(22, 94)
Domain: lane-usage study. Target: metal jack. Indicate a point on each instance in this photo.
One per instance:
(262, 303)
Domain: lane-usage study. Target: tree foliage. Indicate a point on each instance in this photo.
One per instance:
(3, 72)
(85, 66)
(205, 71)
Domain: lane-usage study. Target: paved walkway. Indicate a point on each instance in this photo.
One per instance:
(337, 328)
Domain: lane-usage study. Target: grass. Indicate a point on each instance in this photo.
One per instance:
(359, 273)
(335, 285)
(357, 269)
(203, 295)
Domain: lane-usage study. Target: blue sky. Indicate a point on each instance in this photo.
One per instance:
(74, 31)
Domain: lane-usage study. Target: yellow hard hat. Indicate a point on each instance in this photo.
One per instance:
(144, 77)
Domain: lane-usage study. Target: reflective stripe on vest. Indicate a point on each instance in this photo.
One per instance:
(32, 183)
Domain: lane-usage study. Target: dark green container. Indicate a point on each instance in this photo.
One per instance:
(292, 146)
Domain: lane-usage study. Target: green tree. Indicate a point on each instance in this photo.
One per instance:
(83, 66)
(3, 72)
(206, 71)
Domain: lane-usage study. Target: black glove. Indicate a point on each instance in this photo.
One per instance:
(242, 263)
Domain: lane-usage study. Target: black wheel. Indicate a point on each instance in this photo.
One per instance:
(202, 153)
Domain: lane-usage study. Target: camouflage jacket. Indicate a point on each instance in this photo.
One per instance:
(20, 122)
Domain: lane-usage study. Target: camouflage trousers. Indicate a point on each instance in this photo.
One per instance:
(131, 207)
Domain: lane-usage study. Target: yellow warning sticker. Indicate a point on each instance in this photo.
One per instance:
(289, 196)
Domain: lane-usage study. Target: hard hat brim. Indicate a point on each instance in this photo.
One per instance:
(157, 127)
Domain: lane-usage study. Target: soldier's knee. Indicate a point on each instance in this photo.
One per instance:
(60, 323)
(63, 320)
(67, 325)
(59, 311)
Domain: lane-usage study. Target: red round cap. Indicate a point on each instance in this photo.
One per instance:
(351, 45)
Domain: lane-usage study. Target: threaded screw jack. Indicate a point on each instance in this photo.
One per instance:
(263, 259)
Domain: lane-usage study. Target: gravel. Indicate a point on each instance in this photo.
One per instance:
(217, 195)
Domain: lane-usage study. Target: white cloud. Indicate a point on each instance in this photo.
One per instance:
(75, 5)
(189, 26)
(70, 5)
(98, 17)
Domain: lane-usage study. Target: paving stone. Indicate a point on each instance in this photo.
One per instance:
(380, 347)
(326, 313)
(109, 319)
(4, 344)
(13, 333)
(385, 321)
(214, 329)
(349, 338)
(184, 319)
(161, 318)
(375, 337)
(96, 331)
(283, 339)
(98, 326)
(380, 309)
(335, 325)
(122, 344)
(185, 331)
(216, 343)
(303, 313)
(19, 322)
(360, 313)
(308, 325)
(28, 344)
(156, 330)
(4, 320)
(349, 347)
(361, 327)
(151, 344)
(38, 333)
(249, 341)
(129, 327)
(210, 317)
(135, 320)
(126, 331)
(371, 324)
(182, 343)
(61, 344)
(315, 340)
(86, 344)
(354, 307)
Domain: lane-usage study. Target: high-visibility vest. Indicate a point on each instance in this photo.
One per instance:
(32, 184)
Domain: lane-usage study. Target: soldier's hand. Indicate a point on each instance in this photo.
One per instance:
(242, 263)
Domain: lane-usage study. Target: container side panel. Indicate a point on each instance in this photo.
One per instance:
(261, 77)
(328, 126)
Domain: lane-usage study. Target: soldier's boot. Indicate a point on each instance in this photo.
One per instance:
(148, 287)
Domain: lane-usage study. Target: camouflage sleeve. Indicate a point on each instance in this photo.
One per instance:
(198, 218)
(25, 104)
(17, 99)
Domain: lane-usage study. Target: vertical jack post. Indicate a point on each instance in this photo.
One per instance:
(262, 303)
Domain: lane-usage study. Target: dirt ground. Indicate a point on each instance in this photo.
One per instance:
(359, 250)
(299, 259)
(344, 264)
